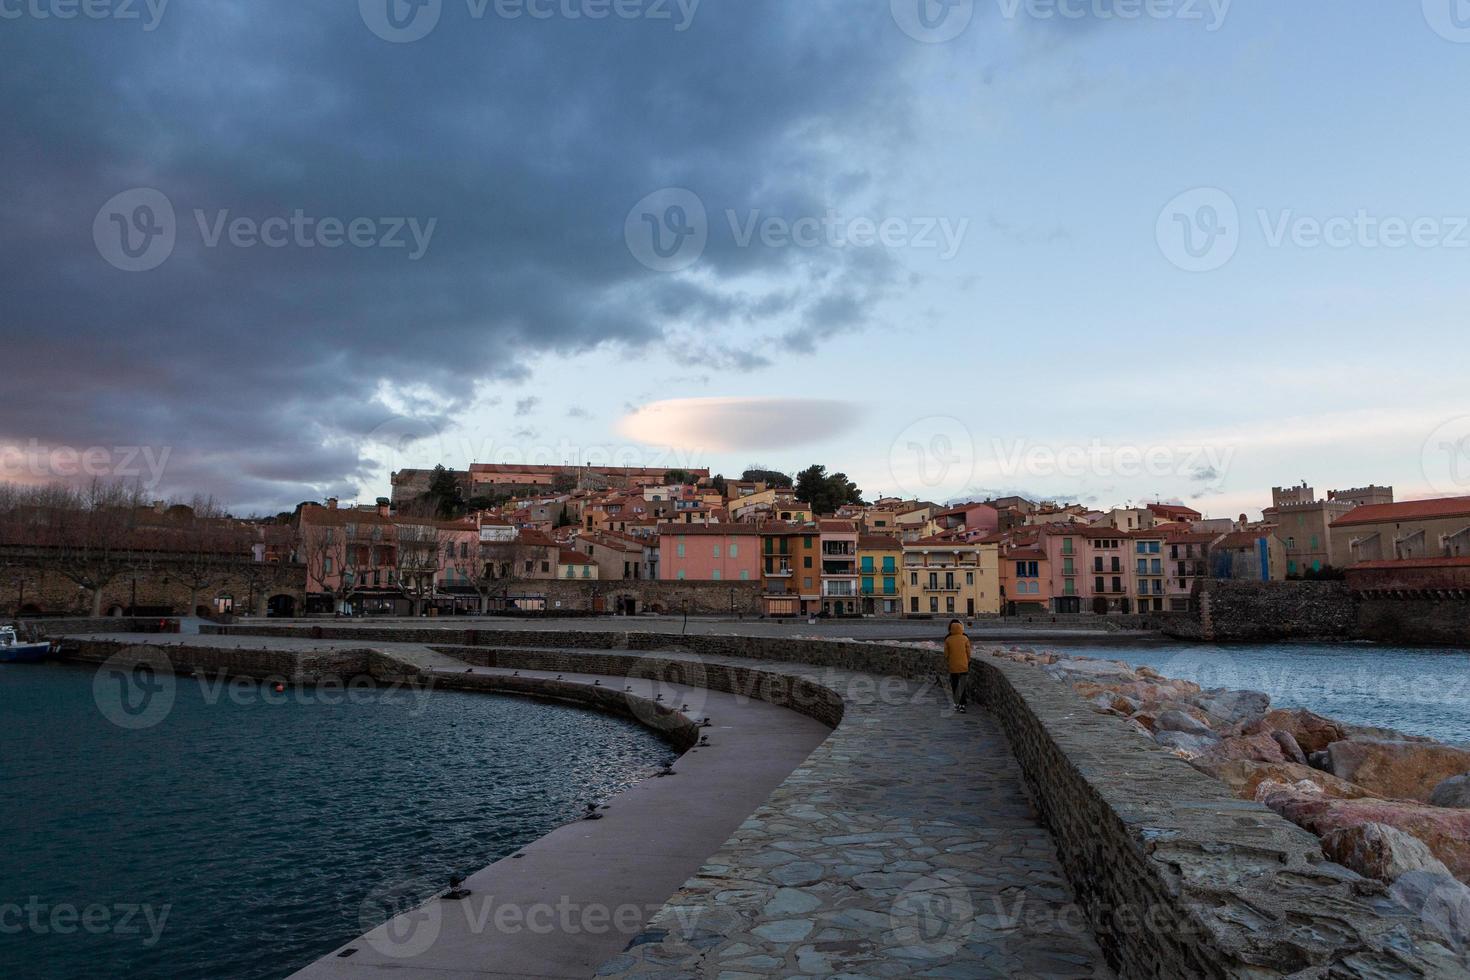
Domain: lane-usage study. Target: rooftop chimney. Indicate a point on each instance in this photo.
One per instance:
(331, 503)
(383, 504)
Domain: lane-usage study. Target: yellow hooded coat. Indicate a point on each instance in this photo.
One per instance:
(957, 649)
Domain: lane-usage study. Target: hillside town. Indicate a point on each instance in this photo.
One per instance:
(502, 539)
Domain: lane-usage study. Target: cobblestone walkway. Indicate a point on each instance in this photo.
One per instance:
(904, 846)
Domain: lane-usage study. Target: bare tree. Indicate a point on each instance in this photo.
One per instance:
(94, 530)
(420, 555)
(331, 555)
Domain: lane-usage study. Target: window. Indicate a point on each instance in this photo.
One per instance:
(681, 548)
(682, 575)
(806, 540)
(949, 604)
(734, 550)
(327, 566)
(969, 578)
(744, 575)
(716, 575)
(934, 603)
(914, 604)
(1097, 585)
(914, 579)
(1143, 566)
(806, 562)
(717, 551)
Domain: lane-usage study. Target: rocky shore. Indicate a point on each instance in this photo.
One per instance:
(1390, 806)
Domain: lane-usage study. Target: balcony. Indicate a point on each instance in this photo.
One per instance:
(785, 571)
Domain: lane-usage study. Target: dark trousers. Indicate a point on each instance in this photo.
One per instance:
(959, 687)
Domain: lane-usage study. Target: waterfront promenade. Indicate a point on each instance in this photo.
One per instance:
(1033, 839)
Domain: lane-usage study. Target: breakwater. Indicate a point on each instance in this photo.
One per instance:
(1172, 872)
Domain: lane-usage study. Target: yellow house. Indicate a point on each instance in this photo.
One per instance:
(573, 565)
(771, 504)
(944, 576)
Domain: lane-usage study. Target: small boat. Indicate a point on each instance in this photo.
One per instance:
(13, 651)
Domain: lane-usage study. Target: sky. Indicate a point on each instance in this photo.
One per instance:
(1107, 251)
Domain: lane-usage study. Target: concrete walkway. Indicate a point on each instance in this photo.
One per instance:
(564, 904)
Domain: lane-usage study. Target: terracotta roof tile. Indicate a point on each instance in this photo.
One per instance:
(1409, 510)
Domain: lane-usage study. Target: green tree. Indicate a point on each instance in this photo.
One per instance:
(444, 493)
(680, 478)
(825, 492)
(718, 482)
(755, 473)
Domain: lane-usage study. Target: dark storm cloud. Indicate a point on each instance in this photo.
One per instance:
(518, 146)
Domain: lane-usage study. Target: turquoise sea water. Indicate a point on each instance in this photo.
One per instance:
(1421, 691)
(245, 835)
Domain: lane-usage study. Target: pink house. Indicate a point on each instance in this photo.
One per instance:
(709, 553)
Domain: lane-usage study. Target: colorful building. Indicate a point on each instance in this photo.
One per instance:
(948, 576)
(709, 553)
(880, 564)
(840, 580)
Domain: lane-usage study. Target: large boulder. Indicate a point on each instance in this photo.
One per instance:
(1256, 748)
(1441, 903)
(1240, 708)
(1290, 748)
(1177, 720)
(1185, 745)
(1311, 731)
(1376, 850)
(1445, 832)
(1397, 769)
(1453, 792)
(1243, 776)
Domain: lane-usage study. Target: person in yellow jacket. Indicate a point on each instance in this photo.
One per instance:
(957, 652)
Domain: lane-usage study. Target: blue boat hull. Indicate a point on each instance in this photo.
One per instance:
(25, 653)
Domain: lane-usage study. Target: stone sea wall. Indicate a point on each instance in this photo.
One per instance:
(1264, 612)
(1178, 877)
(1414, 620)
(303, 667)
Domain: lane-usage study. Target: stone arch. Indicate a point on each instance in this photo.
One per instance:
(281, 606)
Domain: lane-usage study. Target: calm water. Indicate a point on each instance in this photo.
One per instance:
(258, 835)
(1413, 689)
